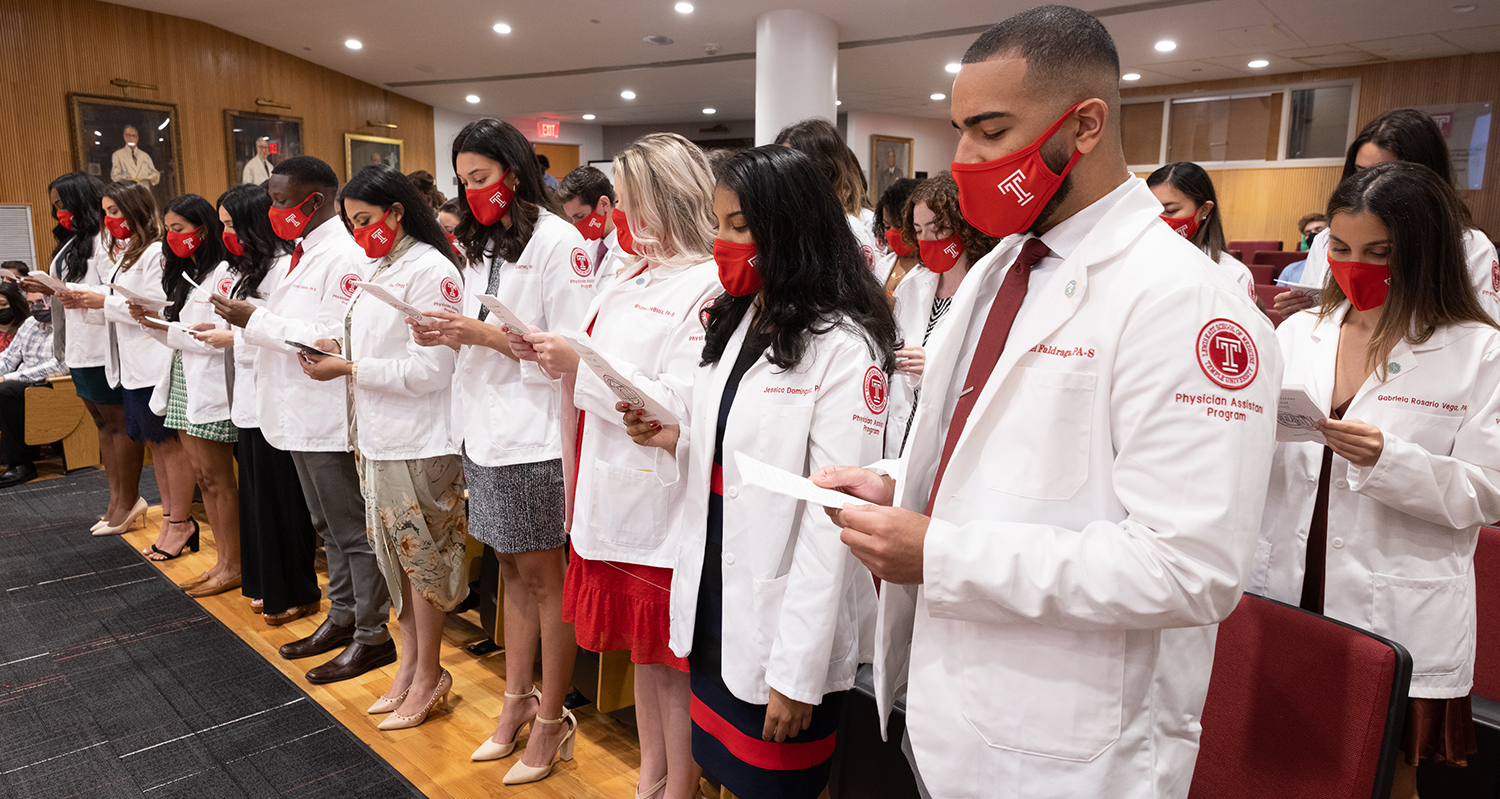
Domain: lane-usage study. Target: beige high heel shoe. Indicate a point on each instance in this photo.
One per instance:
(489, 750)
(520, 773)
(103, 528)
(439, 699)
(386, 704)
(649, 792)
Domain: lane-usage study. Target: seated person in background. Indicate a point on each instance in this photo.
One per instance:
(13, 271)
(12, 312)
(29, 361)
(1310, 226)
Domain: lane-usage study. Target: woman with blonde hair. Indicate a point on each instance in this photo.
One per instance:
(624, 522)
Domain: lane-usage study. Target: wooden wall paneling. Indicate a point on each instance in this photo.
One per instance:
(60, 46)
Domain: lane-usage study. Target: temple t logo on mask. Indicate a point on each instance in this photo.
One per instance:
(1012, 185)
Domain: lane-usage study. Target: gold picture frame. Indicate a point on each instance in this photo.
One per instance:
(360, 150)
(882, 175)
(243, 128)
(96, 127)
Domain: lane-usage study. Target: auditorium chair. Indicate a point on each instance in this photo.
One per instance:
(1237, 255)
(1251, 247)
(1263, 273)
(1275, 259)
(1300, 707)
(57, 414)
(1267, 295)
(1486, 697)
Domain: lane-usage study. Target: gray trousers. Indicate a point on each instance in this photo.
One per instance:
(356, 589)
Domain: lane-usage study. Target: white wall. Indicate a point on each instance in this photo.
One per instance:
(933, 145)
(446, 124)
(616, 137)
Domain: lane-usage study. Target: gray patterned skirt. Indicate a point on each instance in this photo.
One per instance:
(517, 508)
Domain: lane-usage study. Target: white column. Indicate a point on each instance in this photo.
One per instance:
(796, 70)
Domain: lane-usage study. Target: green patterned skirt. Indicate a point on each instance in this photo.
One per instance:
(224, 431)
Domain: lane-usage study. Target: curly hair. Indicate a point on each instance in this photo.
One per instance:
(940, 194)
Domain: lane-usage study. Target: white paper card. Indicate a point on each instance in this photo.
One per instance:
(1297, 416)
(617, 382)
(784, 482)
(309, 348)
(50, 281)
(144, 302)
(504, 315)
(1314, 293)
(379, 293)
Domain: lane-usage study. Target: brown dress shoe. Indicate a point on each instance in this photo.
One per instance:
(327, 637)
(356, 659)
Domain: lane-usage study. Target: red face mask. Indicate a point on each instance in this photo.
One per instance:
(232, 243)
(893, 240)
(1005, 196)
(452, 239)
(737, 271)
(376, 238)
(291, 223)
(591, 226)
(1364, 284)
(65, 218)
(491, 202)
(622, 227)
(940, 255)
(185, 244)
(1186, 227)
(117, 226)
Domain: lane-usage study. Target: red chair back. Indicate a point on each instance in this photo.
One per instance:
(1262, 273)
(1300, 707)
(1276, 259)
(1487, 622)
(1248, 247)
(1267, 295)
(1236, 255)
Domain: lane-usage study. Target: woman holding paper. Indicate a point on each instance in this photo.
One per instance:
(135, 362)
(401, 425)
(517, 248)
(1378, 528)
(625, 525)
(194, 394)
(766, 601)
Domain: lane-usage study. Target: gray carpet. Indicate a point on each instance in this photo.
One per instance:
(115, 683)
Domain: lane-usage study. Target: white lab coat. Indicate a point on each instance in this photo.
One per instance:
(1241, 274)
(615, 259)
(866, 238)
(297, 413)
(244, 411)
(1094, 525)
(86, 340)
(204, 378)
(650, 328)
(509, 409)
(403, 392)
(914, 295)
(1401, 533)
(137, 360)
(1479, 252)
(794, 595)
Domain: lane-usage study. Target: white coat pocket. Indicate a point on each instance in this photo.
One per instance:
(765, 599)
(519, 423)
(629, 507)
(1042, 454)
(1011, 683)
(1430, 431)
(1431, 617)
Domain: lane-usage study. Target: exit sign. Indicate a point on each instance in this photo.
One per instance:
(547, 130)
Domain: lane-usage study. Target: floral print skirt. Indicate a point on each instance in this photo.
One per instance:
(415, 519)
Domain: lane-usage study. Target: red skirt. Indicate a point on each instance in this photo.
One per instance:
(1440, 730)
(620, 606)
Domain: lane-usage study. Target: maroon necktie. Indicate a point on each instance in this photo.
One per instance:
(296, 256)
(987, 352)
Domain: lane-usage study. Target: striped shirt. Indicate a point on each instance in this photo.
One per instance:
(30, 358)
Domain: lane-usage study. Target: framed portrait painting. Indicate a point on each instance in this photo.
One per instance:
(362, 151)
(256, 143)
(890, 161)
(136, 140)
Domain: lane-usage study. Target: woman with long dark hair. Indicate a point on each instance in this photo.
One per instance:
(518, 248)
(899, 257)
(1378, 527)
(277, 540)
(1191, 209)
(400, 399)
(766, 601)
(821, 142)
(1409, 135)
(81, 260)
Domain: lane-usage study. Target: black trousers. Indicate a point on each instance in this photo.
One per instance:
(13, 449)
(277, 542)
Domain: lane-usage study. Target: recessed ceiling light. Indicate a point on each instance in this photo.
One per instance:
(1166, 46)
(473, 98)
(1258, 63)
(1131, 76)
(628, 94)
(684, 8)
(353, 44)
(658, 39)
(953, 67)
(838, 102)
(588, 116)
(501, 27)
(1463, 9)
(938, 96)
(710, 110)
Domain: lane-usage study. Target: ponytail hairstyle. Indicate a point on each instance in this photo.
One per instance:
(1193, 181)
(1429, 275)
(814, 276)
(383, 186)
(249, 208)
(666, 180)
(139, 207)
(205, 259)
(501, 142)
(80, 193)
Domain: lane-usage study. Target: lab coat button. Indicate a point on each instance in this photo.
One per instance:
(468, 370)
(732, 492)
(728, 558)
(1341, 483)
(1337, 543)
